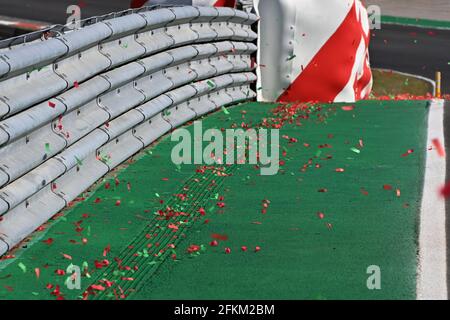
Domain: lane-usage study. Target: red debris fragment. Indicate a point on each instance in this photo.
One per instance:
(221, 237)
(439, 148)
(106, 250)
(445, 191)
(66, 256)
(407, 153)
(348, 108)
(214, 243)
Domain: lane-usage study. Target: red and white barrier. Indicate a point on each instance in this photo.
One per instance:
(309, 50)
(313, 50)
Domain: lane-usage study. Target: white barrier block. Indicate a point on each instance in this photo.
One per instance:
(79, 178)
(178, 115)
(182, 55)
(182, 34)
(202, 105)
(222, 30)
(180, 74)
(156, 62)
(155, 40)
(152, 129)
(155, 106)
(125, 25)
(222, 81)
(220, 98)
(86, 92)
(124, 75)
(122, 50)
(203, 87)
(240, 93)
(29, 88)
(86, 37)
(31, 183)
(121, 100)
(154, 85)
(4, 67)
(225, 47)
(184, 14)
(35, 55)
(21, 221)
(30, 151)
(121, 148)
(158, 18)
(205, 50)
(182, 94)
(123, 123)
(240, 62)
(4, 247)
(203, 24)
(221, 64)
(80, 122)
(202, 69)
(73, 155)
(82, 66)
(31, 119)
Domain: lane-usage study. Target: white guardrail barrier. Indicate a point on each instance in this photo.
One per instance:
(76, 105)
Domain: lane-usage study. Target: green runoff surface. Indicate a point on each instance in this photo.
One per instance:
(320, 231)
(387, 83)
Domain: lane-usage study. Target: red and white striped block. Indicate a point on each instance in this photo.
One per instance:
(313, 50)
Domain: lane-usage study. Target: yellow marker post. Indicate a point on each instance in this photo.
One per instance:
(438, 85)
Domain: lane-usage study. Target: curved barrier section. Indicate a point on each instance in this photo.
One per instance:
(75, 106)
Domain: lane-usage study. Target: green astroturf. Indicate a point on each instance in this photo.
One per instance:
(301, 255)
(426, 23)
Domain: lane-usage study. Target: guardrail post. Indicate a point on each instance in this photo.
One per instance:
(438, 84)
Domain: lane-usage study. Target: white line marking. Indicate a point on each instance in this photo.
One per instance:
(432, 264)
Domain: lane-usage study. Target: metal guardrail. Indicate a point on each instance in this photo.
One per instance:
(75, 106)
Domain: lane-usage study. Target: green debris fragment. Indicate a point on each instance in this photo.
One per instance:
(291, 57)
(79, 162)
(225, 110)
(47, 147)
(22, 267)
(211, 84)
(355, 150)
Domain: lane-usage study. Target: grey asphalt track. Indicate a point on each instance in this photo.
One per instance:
(54, 11)
(413, 50)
